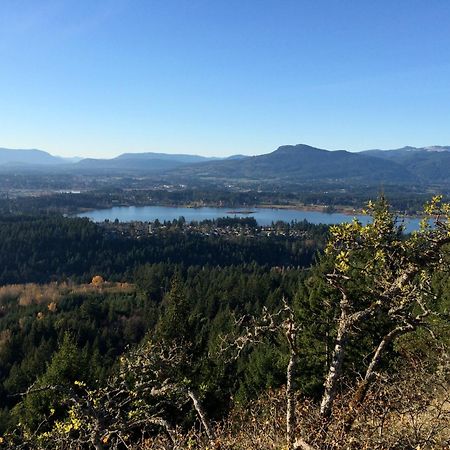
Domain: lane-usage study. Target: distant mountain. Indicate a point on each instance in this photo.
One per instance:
(13, 157)
(408, 150)
(73, 159)
(237, 157)
(148, 162)
(148, 156)
(289, 164)
(303, 163)
(427, 164)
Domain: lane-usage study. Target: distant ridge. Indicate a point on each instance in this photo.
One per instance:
(163, 156)
(287, 164)
(426, 164)
(409, 149)
(237, 157)
(303, 163)
(32, 156)
(149, 161)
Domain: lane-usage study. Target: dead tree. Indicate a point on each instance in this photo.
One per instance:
(134, 400)
(253, 332)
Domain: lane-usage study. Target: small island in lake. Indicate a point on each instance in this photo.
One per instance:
(245, 211)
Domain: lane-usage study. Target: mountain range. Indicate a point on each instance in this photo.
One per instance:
(147, 162)
(427, 163)
(302, 163)
(28, 156)
(287, 164)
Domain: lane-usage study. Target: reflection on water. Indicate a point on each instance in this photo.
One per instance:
(264, 216)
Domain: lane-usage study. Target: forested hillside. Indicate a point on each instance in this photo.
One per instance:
(46, 248)
(320, 339)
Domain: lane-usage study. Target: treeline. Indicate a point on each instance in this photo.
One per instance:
(404, 199)
(47, 248)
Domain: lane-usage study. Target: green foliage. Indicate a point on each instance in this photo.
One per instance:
(47, 248)
(264, 369)
(383, 280)
(196, 305)
(173, 326)
(94, 335)
(67, 365)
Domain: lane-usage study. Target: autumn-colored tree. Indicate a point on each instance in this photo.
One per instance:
(97, 280)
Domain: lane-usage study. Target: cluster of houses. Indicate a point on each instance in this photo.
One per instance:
(139, 229)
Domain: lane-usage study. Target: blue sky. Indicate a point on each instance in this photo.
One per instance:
(98, 78)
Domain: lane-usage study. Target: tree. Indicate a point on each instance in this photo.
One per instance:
(254, 332)
(66, 366)
(381, 276)
(382, 279)
(141, 397)
(174, 324)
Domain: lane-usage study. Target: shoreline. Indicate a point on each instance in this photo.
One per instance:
(245, 210)
(326, 209)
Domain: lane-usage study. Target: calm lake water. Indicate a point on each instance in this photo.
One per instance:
(264, 216)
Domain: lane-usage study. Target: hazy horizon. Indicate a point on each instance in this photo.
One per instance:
(209, 155)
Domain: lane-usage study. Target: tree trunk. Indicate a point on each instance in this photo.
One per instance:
(96, 442)
(364, 385)
(335, 370)
(202, 415)
(291, 419)
(171, 432)
(346, 322)
(95, 436)
(301, 444)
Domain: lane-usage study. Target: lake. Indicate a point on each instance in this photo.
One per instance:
(264, 216)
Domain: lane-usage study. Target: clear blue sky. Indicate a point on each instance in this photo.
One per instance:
(97, 77)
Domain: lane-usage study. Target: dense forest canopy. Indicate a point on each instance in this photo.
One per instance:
(47, 248)
(173, 339)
